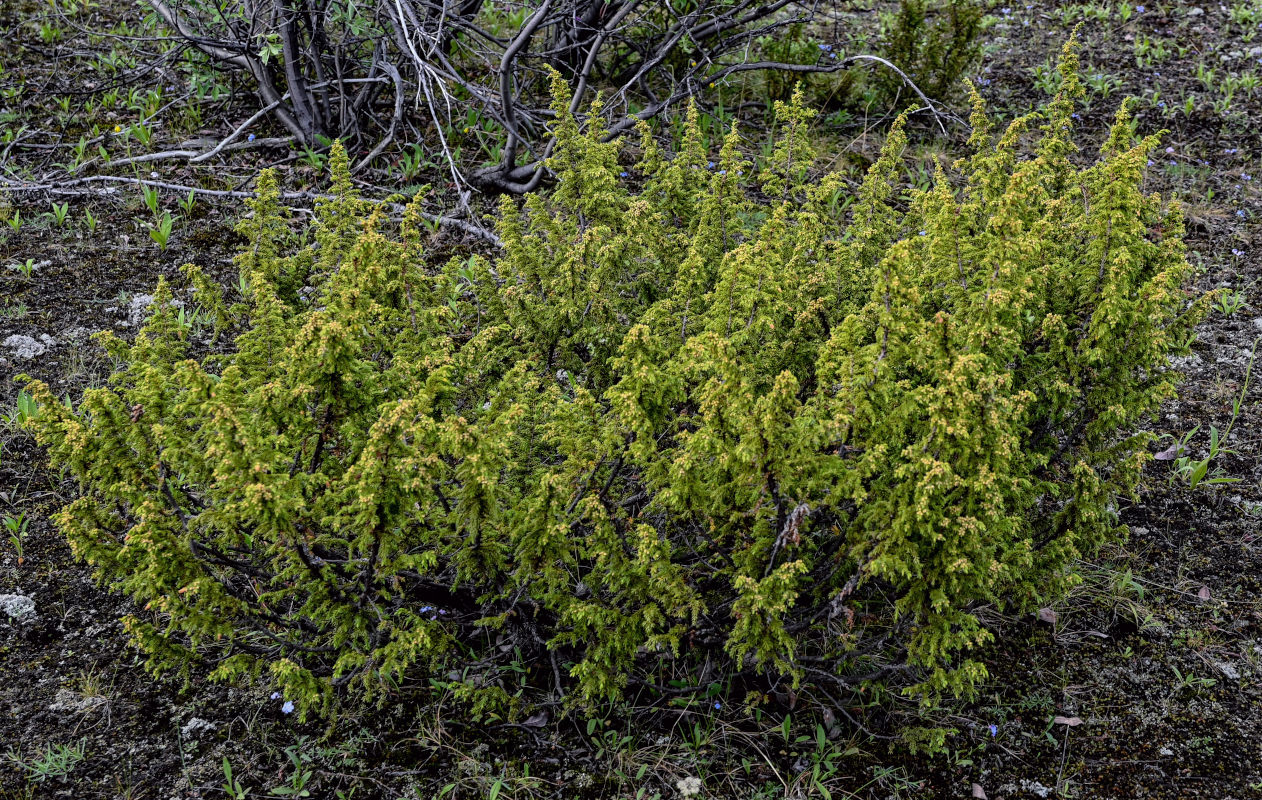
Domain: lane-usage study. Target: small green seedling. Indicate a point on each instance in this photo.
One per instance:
(25, 410)
(15, 311)
(1201, 472)
(15, 527)
(160, 231)
(150, 195)
(231, 786)
(56, 762)
(1190, 681)
(1230, 302)
(1196, 473)
(299, 778)
(24, 268)
(312, 158)
(59, 213)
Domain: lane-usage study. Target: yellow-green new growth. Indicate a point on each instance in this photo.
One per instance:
(658, 434)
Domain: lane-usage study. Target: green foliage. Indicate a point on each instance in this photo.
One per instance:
(662, 428)
(792, 45)
(935, 43)
(15, 527)
(160, 229)
(55, 762)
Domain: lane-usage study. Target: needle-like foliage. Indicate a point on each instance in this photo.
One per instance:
(665, 428)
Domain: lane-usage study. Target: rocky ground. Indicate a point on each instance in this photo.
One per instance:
(1145, 682)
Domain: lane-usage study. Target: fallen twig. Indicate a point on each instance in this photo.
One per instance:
(84, 187)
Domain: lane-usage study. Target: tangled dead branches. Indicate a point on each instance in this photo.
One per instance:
(364, 73)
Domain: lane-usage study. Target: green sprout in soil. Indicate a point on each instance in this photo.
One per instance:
(55, 763)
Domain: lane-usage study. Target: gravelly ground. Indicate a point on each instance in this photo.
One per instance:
(1158, 654)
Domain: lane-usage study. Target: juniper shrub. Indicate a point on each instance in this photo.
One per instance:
(663, 428)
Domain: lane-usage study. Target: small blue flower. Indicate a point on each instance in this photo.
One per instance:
(1140, 9)
(426, 609)
(250, 138)
(1237, 253)
(1005, 11)
(922, 233)
(722, 172)
(288, 708)
(709, 165)
(1247, 176)
(1240, 213)
(623, 174)
(994, 729)
(1169, 150)
(275, 695)
(1150, 162)
(717, 705)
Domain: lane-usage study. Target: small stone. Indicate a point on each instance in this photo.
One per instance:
(1228, 670)
(196, 726)
(1195, 11)
(17, 606)
(65, 700)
